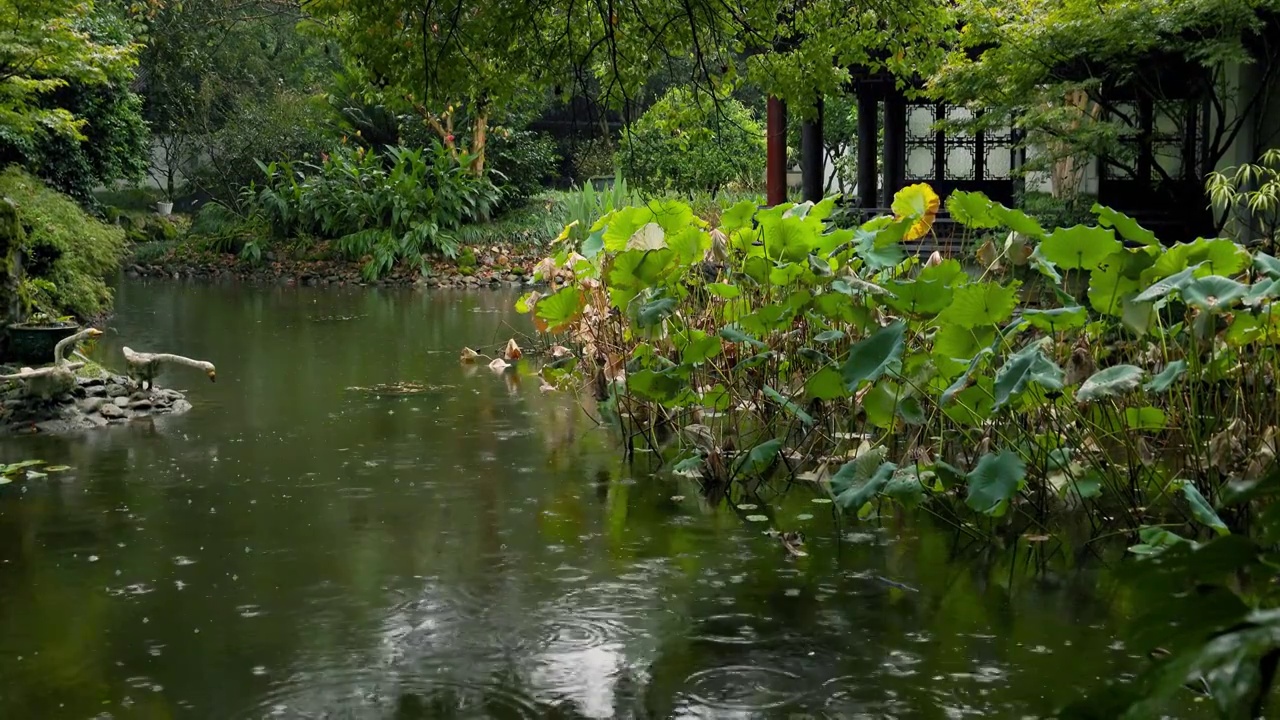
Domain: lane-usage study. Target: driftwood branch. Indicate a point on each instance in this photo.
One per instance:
(27, 373)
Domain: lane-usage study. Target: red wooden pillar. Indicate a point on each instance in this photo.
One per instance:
(776, 153)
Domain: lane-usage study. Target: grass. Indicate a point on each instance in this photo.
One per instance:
(536, 222)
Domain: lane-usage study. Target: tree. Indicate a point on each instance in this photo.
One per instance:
(207, 63)
(451, 61)
(66, 108)
(466, 59)
(113, 142)
(689, 144)
(45, 45)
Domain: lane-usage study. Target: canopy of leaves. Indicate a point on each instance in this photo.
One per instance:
(1054, 64)
(691, 141)
(46, 45)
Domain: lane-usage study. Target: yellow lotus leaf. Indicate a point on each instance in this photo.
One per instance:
(917, 201)
(564, 234)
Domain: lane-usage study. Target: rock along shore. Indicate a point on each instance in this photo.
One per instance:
(492, 270)
(95, 402)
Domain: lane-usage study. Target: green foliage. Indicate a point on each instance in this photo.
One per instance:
(586, 205)
(525, 161)
(689, 141)
(592, 158)
(1057, 212)
(1198, 605)
(69, 250)
(286, 126)
(459, 68)
(1248, 196)
(537, 221)
(67, 112)
(113, 144)
(47, 45)
(994, 482)
(384, 210)
(224, 83)
(1004, 432)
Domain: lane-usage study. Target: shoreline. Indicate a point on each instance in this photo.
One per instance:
(330, 273)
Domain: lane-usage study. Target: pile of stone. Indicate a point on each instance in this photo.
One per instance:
(95, 402)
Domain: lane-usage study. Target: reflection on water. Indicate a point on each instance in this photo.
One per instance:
(296, 547)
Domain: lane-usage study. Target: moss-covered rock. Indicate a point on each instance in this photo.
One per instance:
(466, 260)
(64, 246)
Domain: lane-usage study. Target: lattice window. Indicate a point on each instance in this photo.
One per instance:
(957, 156)
(998, 148)
(922, 142)
(1172, 145)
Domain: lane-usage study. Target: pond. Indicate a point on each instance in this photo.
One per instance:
(298, 546)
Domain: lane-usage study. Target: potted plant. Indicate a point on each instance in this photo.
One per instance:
(164, 206)
(32, 340)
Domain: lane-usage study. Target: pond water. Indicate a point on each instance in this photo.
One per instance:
(296, 547)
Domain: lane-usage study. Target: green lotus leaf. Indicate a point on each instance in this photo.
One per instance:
(1080, 247)
(981, 304)
(994, 482)
(1113, 381)
(877, 354)
(1128, 228)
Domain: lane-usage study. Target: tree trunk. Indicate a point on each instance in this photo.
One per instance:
(479, 136)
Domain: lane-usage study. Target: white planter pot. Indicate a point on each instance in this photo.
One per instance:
(164, 208)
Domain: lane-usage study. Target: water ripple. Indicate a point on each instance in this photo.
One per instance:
(732, 629)
(362, 694)
(744, 688)
(584, 631)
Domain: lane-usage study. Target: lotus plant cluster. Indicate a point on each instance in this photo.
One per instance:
(1080, 368)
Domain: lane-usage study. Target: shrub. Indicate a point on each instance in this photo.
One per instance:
(592, 158)
(64, 246)
(114, 148)
(526, 159)
(1057, 212)
(689, 142)
(288, 127)
(386, 208)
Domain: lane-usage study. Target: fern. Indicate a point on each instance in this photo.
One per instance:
(216, 219)
(358, 244)
(252, 252)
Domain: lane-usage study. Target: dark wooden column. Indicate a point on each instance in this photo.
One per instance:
(812, 173)
(1146, 133)
(868, 129)
(895, 147)
(776, 153)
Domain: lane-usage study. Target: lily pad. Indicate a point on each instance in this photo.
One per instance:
(757, 518)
